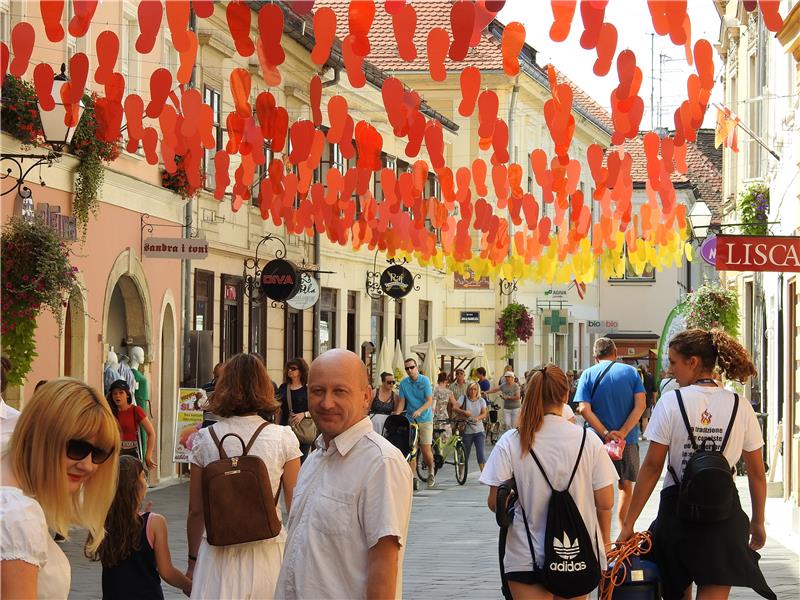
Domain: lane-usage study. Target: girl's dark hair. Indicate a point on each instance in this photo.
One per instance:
(441, 377)
(243, 388)
(123, 523)
(715, 348)
(546, 388)
(119, 384)
(301, 365)
(384, 375)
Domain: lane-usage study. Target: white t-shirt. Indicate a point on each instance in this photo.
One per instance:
(567, 412)
(709, 412)
(556, 445)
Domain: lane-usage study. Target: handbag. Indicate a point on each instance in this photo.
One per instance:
(305, 430)
(461, 424)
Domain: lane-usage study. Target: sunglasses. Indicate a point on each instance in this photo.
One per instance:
(392, 382)
(411, 367)
(80, 449)
(292, 369)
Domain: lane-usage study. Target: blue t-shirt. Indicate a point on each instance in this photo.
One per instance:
(613, 400)
(484, 384)
(415, 393)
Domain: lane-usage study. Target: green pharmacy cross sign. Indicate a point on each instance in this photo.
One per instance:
(555, 321)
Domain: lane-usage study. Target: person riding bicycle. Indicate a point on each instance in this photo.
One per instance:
(416, 399)
(444, 403)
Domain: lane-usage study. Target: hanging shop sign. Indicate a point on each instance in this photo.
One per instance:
(396, 281)
(555, 321)
(180, 248)
(188, 421)
(307, 295)
(470, 316)
(280, 280)
(555, 293)
(777, 254)
(708, 250)
(601, 326)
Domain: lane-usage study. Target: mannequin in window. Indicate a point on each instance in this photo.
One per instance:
(142, 391)
(111, 370)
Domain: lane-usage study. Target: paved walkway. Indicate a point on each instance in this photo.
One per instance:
(452, 545)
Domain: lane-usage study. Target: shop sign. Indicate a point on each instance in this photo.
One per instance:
(279, 280)
(555, 320)
(467, 281)
(602, 326)
(396, 281)
(188, 421)
(307, 295)
(179, 248)
(777, 254)
(555, 293)
(708, 250)
(470, 316)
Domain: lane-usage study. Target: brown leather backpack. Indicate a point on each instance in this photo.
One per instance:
(238, 505)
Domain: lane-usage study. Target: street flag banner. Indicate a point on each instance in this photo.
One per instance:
(674, 324)
(725, 132)
(188, 421)
(775, 254)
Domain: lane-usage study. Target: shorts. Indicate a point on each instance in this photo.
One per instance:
(628, 466)
(425, 431)
(526, 577)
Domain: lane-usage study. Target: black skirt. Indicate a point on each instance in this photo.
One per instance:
(704, 554)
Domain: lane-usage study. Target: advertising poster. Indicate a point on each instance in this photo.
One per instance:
(187, 423)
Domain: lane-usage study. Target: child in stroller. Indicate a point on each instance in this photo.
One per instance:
(402, 434)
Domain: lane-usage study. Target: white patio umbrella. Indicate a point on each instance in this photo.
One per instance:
(430, 368)
(480, 361)
(384, 362)
(398, 366)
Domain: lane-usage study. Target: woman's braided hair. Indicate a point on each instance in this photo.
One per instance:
(715, 348)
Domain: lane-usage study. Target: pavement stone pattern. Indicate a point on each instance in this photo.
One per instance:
(452, 543)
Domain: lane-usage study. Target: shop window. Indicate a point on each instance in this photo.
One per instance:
(203, 300)
(327, 319)
(647, 275)
(377, 320)
(231, 317)
(424, 320)
(257, 332)
(352, 313)
(211, 97)
(398, 320)
(293, 333)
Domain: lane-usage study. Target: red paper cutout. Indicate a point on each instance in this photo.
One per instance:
(150, 13)
(178, 22)
(324, 34)
(22, 39)
(160, 86)
(203, 8)
(52, 11)
(353, 62)
(370, 144)
(360, 16)
(83, 11)
(4, 58)
(470, 86)
(500, 143)
(149, 143)
(563, 11)
(43, 83)
(133, 107)
(302, 7)
(606, 47)
(238, 16)
(337, 116)
(107, 46)
(479, 177)
(79, 72)
(300, 135)
(512, 43)
(592, 14)
(240, 90)
(438, 43)
(434, 142)
(488, 105)
(281, 128)
(462, 20)
(187, 58)
(269, 72)
(404, 25)
(315, 96)
(484, 15)
(270, 28)
(772, 18)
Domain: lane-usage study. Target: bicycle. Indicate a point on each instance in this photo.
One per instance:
(442, 450)
(493, 425)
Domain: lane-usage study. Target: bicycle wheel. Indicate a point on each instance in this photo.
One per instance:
(460, 460)
(422, 468)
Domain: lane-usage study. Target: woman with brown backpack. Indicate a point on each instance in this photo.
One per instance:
(240, 466)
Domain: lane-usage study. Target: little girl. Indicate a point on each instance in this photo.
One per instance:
(135, 552)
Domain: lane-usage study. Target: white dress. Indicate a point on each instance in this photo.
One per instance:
(244, 570)
(24, 536)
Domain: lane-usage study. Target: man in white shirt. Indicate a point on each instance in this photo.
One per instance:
(8, 415)
(352, 503)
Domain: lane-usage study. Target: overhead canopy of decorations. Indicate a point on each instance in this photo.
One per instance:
(173, 125)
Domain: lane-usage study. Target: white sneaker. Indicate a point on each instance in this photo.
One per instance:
(431, 481)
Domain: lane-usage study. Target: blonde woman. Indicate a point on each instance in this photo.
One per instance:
(60, 471)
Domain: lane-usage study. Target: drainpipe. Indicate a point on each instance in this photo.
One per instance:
(334, 81)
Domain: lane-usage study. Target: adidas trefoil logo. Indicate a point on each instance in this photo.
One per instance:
(566, 549)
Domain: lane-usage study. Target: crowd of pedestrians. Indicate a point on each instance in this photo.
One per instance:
(321, 456)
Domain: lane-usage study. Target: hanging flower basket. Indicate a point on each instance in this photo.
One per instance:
(36, 274)
(712, 307)
(515, 324)
(20, 112)
(178, 181)
(754, 209)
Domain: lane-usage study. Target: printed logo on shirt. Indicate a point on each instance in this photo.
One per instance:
(705, 418)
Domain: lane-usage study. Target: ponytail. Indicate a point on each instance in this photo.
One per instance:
(715, 348)
(546, 388)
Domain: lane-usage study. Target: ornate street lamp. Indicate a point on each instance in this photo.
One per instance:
(700, 219)
(57, 134)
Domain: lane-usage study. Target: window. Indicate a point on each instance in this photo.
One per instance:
(327, 319)
(5, 22)
(257, 332)
(352, 304)
(649, 273)
(376, 322)
(170, 57)
(293, 338)
(212, 98)
(231, 317)
(203, 300)
(262, 172)
(398, 320)
(129, 55)
(424, 320)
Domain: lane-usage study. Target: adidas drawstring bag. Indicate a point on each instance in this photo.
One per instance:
(570, 564)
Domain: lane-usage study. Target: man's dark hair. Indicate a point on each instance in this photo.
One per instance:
(481, 371)
(408, 360)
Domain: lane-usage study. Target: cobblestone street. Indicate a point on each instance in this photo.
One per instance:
(452, 545)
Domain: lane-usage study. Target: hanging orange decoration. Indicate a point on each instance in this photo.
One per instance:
(133, 106)
(83, 11)
(238, 16)
(606, 47)
(488, 105)
(160, 86)
(315, 98)
(240, 90)
(563, 12)
(438, 44)
(269, 72)
(462, 20)
(22, 39)
(270, 30)
(353, 62)
(470, 80)
(178, 21)
(500, 143)
(149, 144)
(324, 35)
(43, 83)
(337, 117)
(434, 142)
(203, 8)
(485, 13)
(150, 13)
(404, 25)
(52, 11)
(107, 49)
(592, 14)
(301, 134)
(187, 58)
(360, 16)
(512, 43)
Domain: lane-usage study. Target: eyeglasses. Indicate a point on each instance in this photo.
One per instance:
(392, 382)
(80, 449)
(411, 367)
(291, 368)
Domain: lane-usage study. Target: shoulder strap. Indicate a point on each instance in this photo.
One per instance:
(253, 438)
(599, 379)
(538, 464)
(686, 419)
(222, 454)
(730, 423)
(289, 398)
(574, 468)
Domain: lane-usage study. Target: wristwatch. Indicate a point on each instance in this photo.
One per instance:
(605, 434)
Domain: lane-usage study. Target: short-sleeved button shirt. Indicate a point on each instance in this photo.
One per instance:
(415, 393)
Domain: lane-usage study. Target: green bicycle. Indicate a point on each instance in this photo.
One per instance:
(442, 451)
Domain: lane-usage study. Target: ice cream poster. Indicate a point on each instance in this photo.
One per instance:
(187, 423)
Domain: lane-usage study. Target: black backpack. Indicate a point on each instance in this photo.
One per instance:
(707, 493)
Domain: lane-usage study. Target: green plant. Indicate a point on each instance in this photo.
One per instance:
(92, 152)
(178, 181)
(20, 113)
(712, 306)
(36, 274)
(515, 324)
(754, 209)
